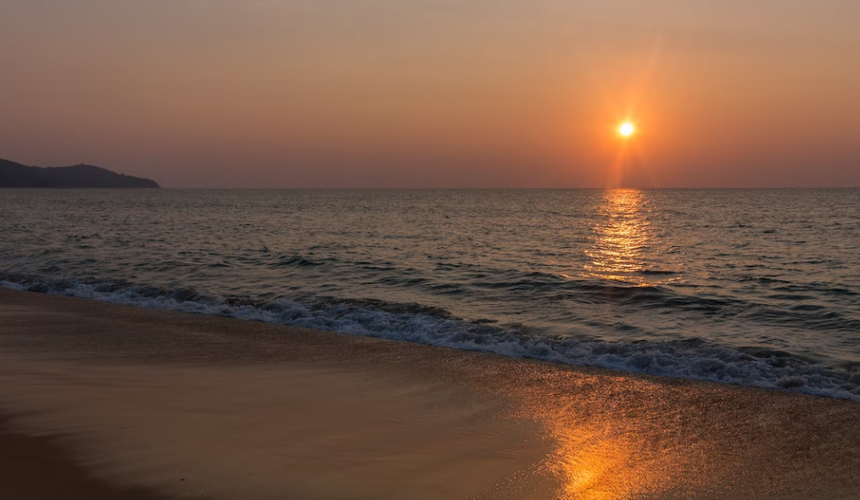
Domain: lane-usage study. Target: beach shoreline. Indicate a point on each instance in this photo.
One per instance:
(181, 404)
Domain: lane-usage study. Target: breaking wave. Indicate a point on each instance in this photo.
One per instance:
(693, 359)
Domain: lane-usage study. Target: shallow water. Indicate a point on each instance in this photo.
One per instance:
(758, 287)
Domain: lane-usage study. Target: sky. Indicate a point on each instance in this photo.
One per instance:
(436, 93)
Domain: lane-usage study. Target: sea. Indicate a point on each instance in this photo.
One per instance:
(751, 287)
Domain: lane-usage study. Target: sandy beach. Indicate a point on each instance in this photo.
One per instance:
(106, 401)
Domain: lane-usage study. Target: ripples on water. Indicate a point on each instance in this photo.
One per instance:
(747, 286)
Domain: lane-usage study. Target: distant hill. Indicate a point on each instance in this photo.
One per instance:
(15, 175)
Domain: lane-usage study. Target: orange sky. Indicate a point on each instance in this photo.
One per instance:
(436, 93)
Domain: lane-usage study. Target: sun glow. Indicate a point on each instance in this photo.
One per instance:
(626, 129)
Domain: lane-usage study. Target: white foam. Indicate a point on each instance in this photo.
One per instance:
(696, 361)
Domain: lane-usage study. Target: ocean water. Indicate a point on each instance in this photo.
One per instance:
(752, 287)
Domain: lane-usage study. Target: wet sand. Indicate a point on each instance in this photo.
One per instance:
(39, 468)
(106, 401)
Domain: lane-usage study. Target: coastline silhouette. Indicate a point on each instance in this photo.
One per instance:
(16, 175)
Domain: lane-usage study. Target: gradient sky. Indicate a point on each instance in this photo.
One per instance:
(436, 93)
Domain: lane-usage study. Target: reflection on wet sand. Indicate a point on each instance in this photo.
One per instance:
(607, 449)
(597, 464)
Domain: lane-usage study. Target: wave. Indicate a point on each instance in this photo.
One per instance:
(295, 260)
(771, 309)
(693, 359)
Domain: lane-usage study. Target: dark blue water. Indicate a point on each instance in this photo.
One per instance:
(758, 287)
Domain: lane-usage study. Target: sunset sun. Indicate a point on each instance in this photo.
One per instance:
(626, 129)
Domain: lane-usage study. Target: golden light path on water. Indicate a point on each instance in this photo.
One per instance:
(620, 238)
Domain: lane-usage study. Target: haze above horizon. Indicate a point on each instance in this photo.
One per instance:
(436, 93)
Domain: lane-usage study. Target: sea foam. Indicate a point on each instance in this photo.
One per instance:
(692, 359)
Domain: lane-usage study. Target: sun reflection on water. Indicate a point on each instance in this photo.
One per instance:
(621, 239)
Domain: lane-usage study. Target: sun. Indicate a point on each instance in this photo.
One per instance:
(626, 129)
